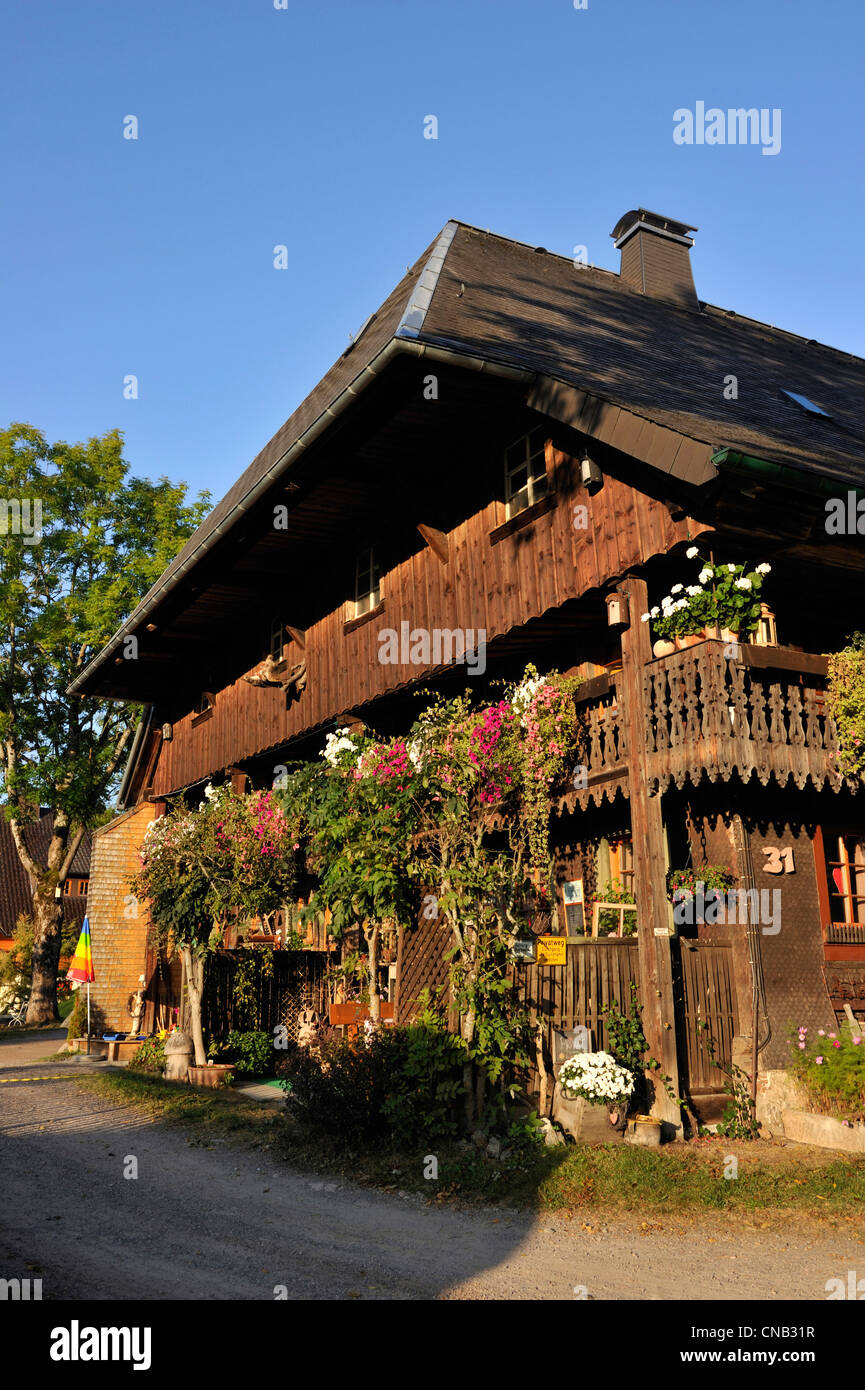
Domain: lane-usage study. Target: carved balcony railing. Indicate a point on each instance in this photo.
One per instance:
(706, 715)
(762, 714)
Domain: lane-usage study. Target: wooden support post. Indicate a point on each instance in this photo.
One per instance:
(650, 885)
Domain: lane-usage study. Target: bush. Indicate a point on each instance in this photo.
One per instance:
(830, 1067)
(150, 1056)
(77, 1026)
(401, 1084)
(250, 1052)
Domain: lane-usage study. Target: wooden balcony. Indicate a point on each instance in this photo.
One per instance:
(706, 715)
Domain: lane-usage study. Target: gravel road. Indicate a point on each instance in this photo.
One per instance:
(225, 1223)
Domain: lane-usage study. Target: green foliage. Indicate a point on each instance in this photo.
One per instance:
(830, 1067)
(682, 883)
(253, 965)
(724, 596)
(402, 1084)
(77, 1023)
(16, 964)
(845, 702)
(250, 1052)
(150, 1056)
(105, 539)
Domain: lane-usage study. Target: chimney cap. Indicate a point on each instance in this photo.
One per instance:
(639, 218)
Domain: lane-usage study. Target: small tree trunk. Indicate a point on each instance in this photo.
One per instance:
(194, 966)
(467, 1032)
(47, 917)
(371, 935)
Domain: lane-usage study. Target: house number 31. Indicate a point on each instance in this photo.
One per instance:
(779, 861)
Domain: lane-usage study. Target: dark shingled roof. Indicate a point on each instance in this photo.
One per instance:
(15, 893)
(494, 298)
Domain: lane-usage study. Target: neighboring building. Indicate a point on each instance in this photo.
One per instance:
(436, 478)
(16, 893)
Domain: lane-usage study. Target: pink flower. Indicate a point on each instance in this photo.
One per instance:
(856, 1042)
(821, 1032)
(818, 1060)
(836, 1044)
(802, 1046)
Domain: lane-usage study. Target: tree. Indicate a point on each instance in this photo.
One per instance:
(81, 541)
(232, 855)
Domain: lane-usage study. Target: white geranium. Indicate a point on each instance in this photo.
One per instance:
(644, 617)
(336, 743)
(210, 792)
(764, 568)
(692, 552)
(731, 569)
(705, 575)
(693, 590)
(654, 612)
(597, 1077)
(676, 589)
(742, 583)
(681, 603)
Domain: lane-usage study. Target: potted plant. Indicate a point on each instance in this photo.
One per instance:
(597, 1079)
(725, 602)
(691, 891)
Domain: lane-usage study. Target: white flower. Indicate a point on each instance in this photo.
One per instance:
(676, 589)
(525, 693)
(336, 743)
(693, 590)
(705, 575)
(654, 611)
(742, 583)
(764, 568)
(692, 552)
(645, 617)
(210, 792)
(681, 603)
(731, 569)
(415, 753)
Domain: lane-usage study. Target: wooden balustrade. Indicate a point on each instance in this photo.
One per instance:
(707, 715)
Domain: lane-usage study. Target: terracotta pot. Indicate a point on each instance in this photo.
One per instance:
(727, 635)
(212, 1075)
(690, 639)
(663, 647)
(712, 634)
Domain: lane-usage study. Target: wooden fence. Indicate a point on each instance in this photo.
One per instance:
(270, 998)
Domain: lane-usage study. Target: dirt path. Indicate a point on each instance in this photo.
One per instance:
(224, 1223)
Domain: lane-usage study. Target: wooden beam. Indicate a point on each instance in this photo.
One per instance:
(650, 883)
(436, 540)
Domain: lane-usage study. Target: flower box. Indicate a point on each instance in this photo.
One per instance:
(213, 1075)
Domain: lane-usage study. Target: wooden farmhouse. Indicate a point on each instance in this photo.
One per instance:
(523, 447)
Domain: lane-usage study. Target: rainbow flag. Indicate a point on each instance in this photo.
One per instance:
(81, 965)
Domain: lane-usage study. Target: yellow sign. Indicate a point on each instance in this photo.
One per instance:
(552, 950)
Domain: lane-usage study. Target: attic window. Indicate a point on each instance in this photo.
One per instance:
(277, 639)
(525, 472)
(367, 586)
(203, 707)
(805, 404)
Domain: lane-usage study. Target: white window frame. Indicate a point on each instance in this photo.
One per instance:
(367, 583)
(536, 485)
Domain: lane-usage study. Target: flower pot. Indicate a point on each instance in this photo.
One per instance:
(646, 1132)
(727, 635)
(663, 647)
(214, 1074)
(688, 639)
(712, 634)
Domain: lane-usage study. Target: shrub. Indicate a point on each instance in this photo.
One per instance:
(401, 1084)
(845, 702)
(150, 1056)
(830, 1067)
(250, 1052)
(77, 1025)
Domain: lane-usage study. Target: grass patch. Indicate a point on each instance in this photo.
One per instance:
(776, 1182)
(212, 1114)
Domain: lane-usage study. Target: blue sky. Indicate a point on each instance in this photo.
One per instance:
(304, 126)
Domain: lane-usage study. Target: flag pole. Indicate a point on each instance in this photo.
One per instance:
(88, 1018)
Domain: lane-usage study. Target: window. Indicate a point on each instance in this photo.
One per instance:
(622, 862)
(277, 639)
(805, 404)
(75, 887)
(367, 588)
(525, 472)
(845, 874)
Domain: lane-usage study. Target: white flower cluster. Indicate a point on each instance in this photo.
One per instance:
(525, 693)
(597, 1077)
(211, 792)
(334, 744)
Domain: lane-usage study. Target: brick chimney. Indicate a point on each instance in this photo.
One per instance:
(656, 256)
